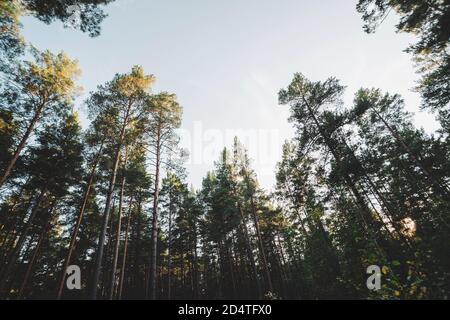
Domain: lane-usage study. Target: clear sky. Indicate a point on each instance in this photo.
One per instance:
(227, 59)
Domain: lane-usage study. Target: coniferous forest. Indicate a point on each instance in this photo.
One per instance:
(359, 185)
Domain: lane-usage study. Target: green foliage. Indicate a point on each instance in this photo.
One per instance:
(90, 12)
(429, 21)
(11, 42)
(358, 185)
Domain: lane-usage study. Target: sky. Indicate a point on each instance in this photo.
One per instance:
(227, 60)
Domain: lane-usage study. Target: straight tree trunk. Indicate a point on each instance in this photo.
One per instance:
(243, 223)
(73, 238)
(125, 249)
(17, 199)
(137, 249)
(250, 252)
(195, 269)
(21, 240)
(415, 158)
(36, 253)
(169, 249)
(112, 183)
(152, 276)
(10, 237)
(231, 266)
(367, 218)
(111, 234)
(261, 245)
(116, 248)
(384, 204)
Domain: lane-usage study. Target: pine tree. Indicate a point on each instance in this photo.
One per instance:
(42, 88)
(122, 100)
(55, 166)
(165, 117)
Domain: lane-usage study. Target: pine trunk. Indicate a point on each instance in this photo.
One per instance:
(154, 251)
(22, 143)
(112, 183)
(125, 250)
(78, 223)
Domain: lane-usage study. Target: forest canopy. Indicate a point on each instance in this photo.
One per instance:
(358, 185)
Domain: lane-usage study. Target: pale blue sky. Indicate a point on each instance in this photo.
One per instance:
(226, 61)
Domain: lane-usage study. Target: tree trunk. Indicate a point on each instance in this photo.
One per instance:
(169, 248)
(231, 266)
(380, 199)
(112, 182)
(73, 238)
(125, 249)
(367, 218)
(22, 143)
(250, 252)
(110, 236)
(19, 244)
(10, 238)
(195, 268)
(137, 249)
(261, 245)
(35, 254)
(116, 247)
(154, 253)
(443, 189)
